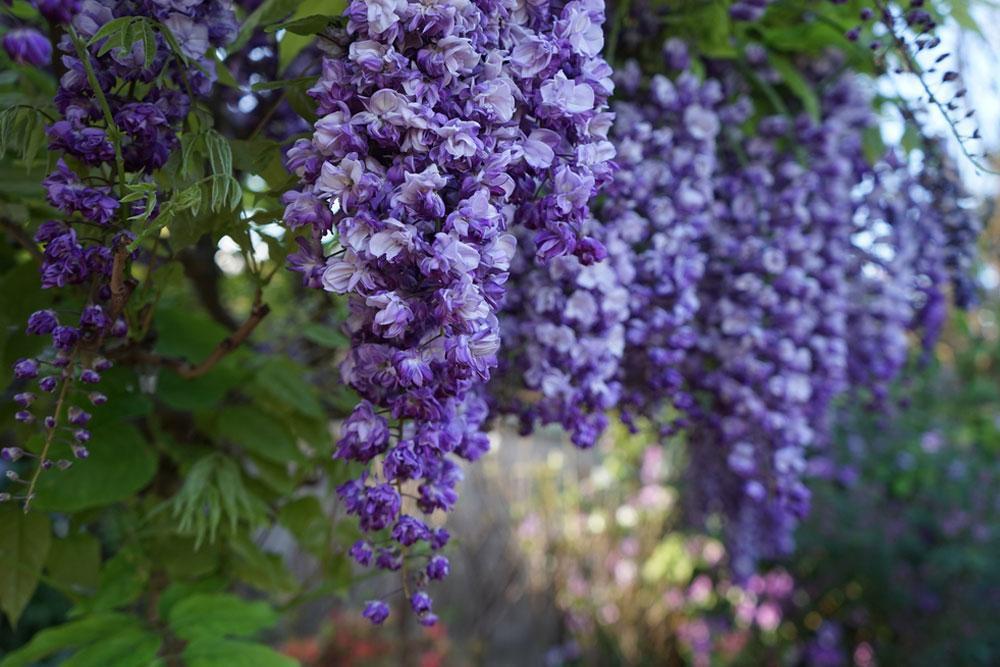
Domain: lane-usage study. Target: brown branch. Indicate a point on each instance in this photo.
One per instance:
(121, 288)
(17, 233)
(200, 268)
(185, 368)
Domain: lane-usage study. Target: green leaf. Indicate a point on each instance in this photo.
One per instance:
(214, 491)
(125, 400)
(303, 82)
(131, 647)
(282, 381)
(22, 129)
(705, 23)
(228, 652)
(123, 580)
(873, 144)
(305, 518)
(301, 102)
(69, 635)
(124, 32)
(226, 77)
(254, 155)
(797, 84)
(120, 464)
(292, 44)
(269, 10)
(208, 616)
(23, 548)
(113, 31)
(179, 591)
(274, 477)
(261, 570)
(179, 557)
(199, 394)
(74, 563)
(258, 432)
(20, 295)
(307, 25)
(324, 335)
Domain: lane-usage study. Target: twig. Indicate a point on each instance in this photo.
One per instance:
(203, 274)
(120, 287)
(230, 343)
(67, 380)
(267, 115)
(17, 233)
(185, 368)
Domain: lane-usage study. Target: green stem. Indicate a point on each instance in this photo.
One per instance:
(67, 380)
(113, 132)
(621, 13)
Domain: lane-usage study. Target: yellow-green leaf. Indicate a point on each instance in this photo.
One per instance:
(24, 544)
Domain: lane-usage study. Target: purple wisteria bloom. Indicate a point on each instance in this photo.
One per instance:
(27, 46)
(79, 249)
(376, 611)
(440, 127)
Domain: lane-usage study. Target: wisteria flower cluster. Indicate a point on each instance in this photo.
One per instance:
(818, 264)
(920, 235)
(662, 202)
(108, 134)
(767, 272)
(589, 339)
(772, 335)
(440, 127)
(563, 329)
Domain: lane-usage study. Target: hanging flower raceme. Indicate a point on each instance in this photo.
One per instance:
(563, 330)
(27, 46)
(440, 127)
(920, 240)
(661, 202)
(120, 112)
(612, 335)
(771, 332)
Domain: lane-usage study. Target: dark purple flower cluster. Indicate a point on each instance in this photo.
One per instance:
(27, 46)
(145, 120)
(563, 330)
(439, 124)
